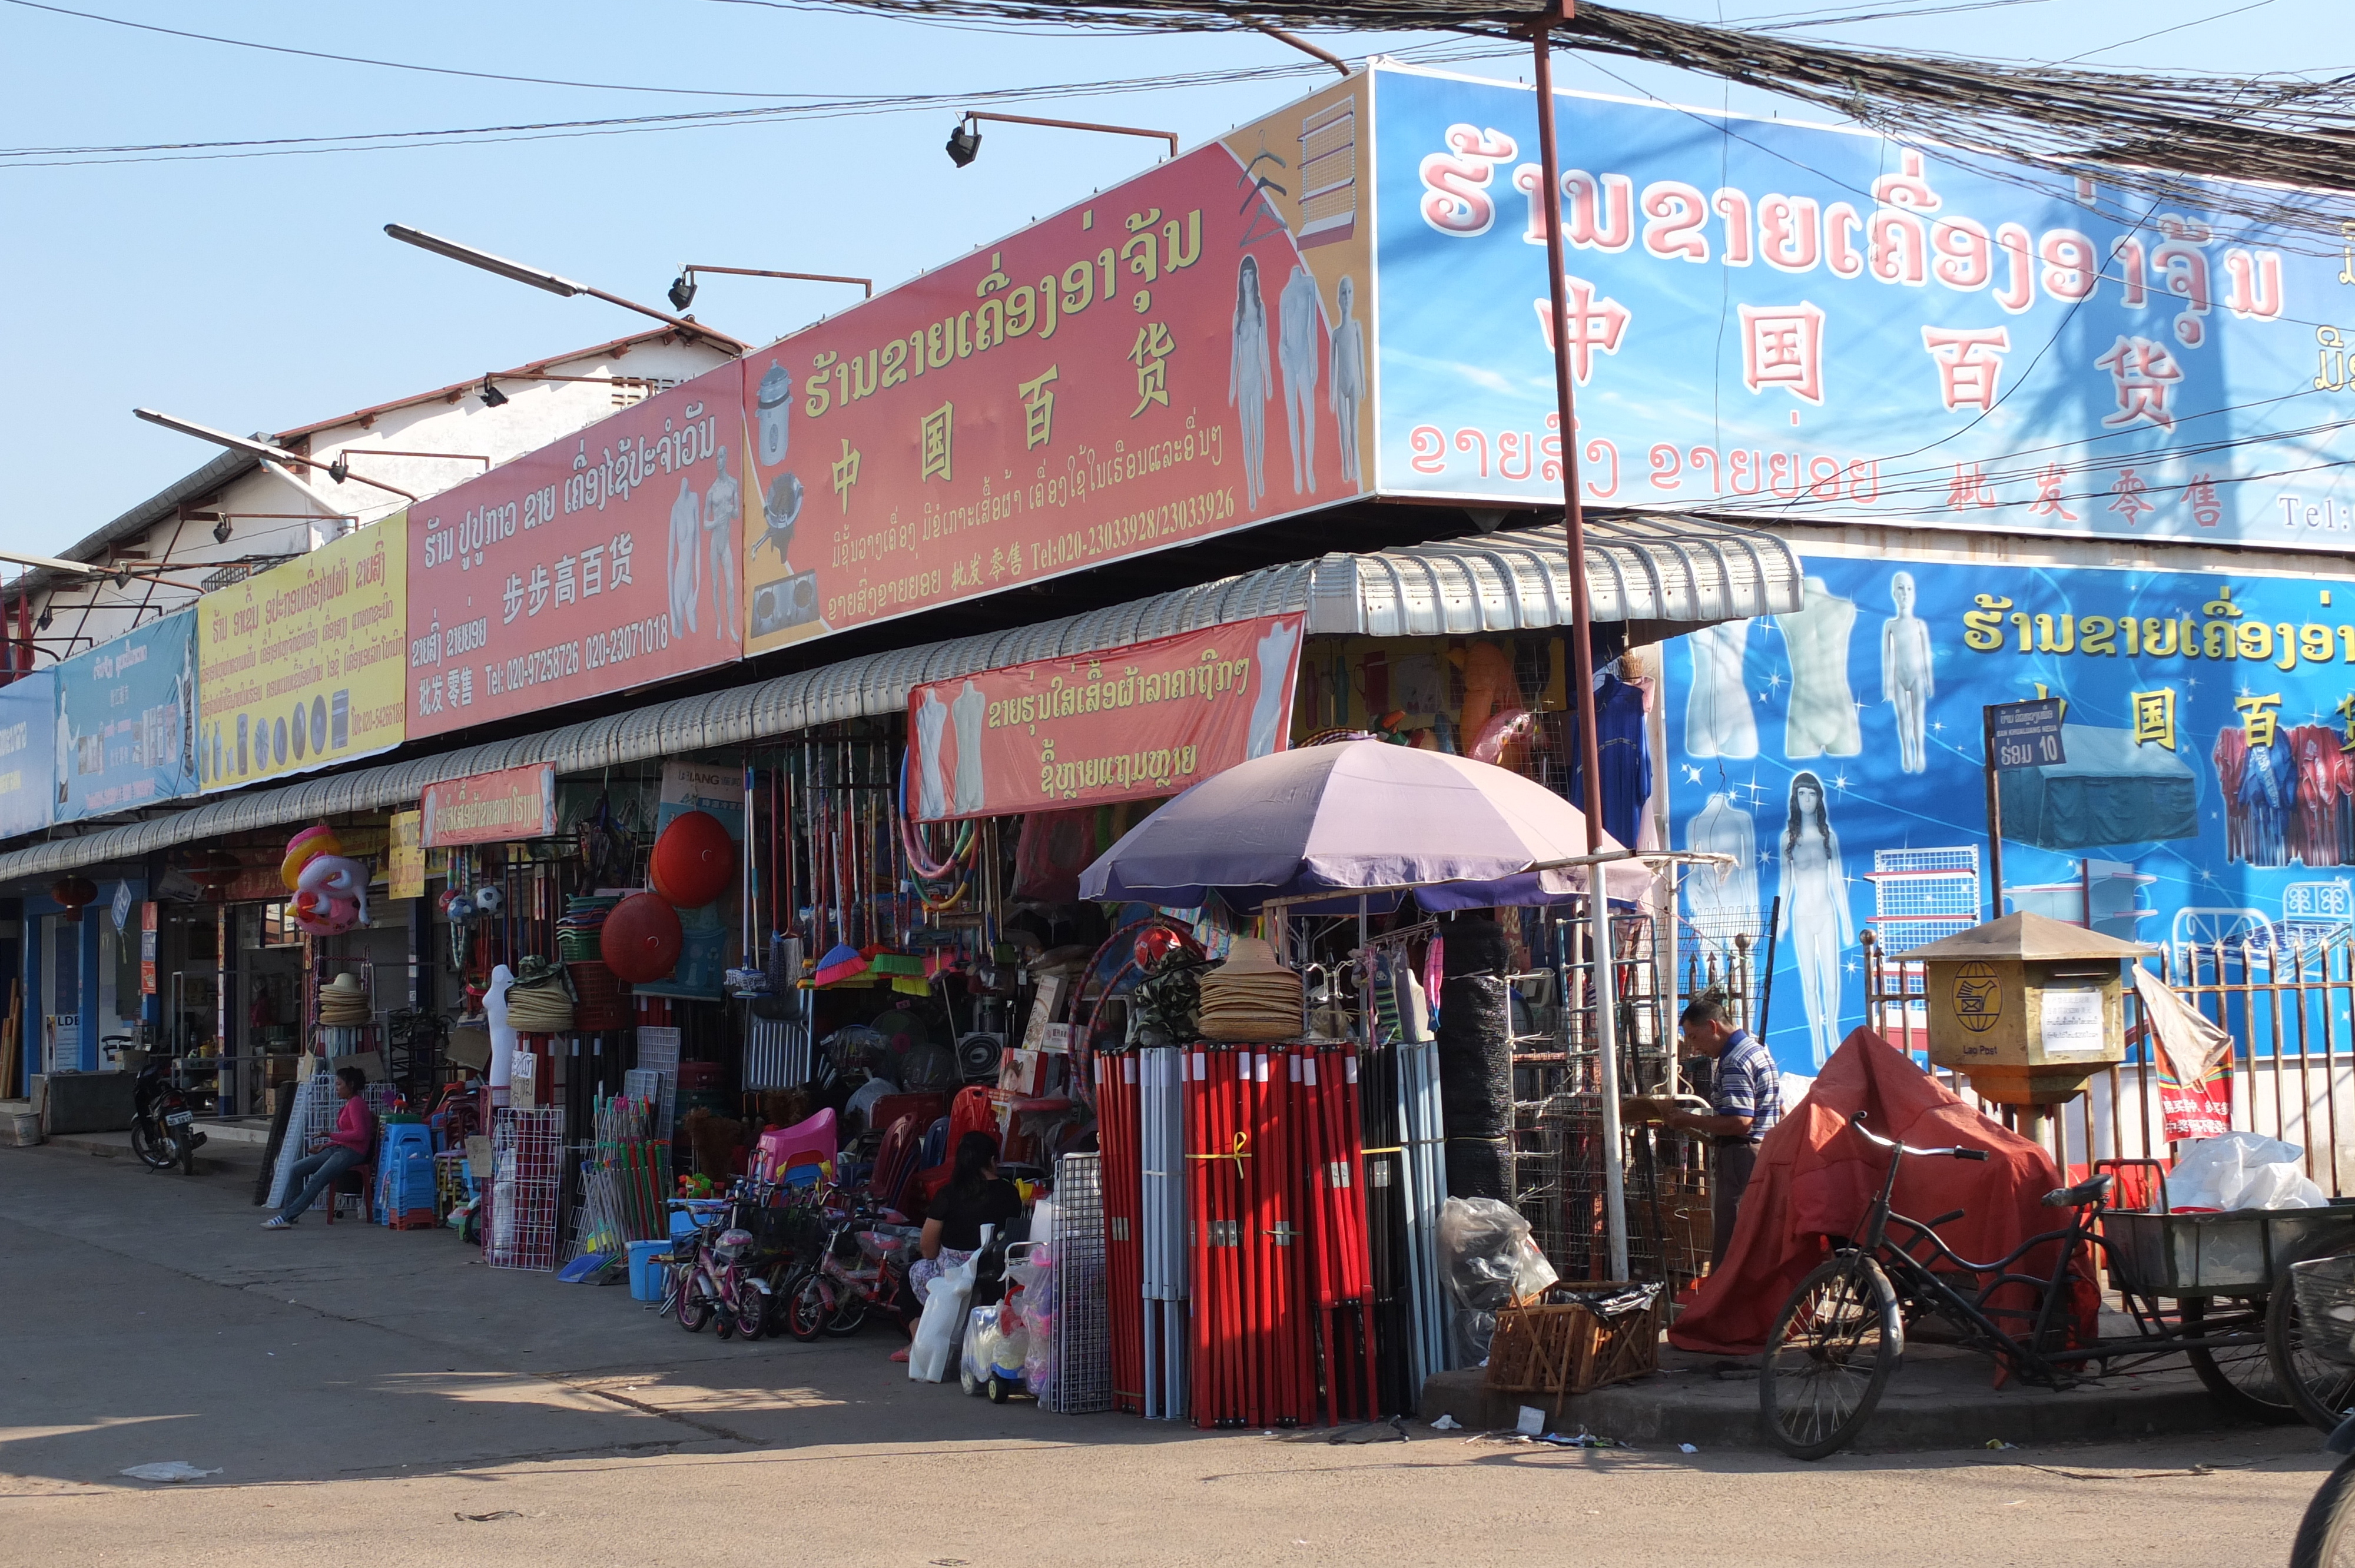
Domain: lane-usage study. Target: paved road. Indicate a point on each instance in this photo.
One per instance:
(381, 1400)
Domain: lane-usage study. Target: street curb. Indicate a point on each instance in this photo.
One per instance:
(1918, 1414)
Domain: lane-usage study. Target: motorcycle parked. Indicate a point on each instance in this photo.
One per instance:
(163, 1128)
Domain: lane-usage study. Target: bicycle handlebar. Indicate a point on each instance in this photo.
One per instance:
(1955, 1153)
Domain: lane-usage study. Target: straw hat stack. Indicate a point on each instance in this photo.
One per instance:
(1250, 997)
(342, 1003)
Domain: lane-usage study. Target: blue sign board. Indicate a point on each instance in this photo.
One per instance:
(1802, 322)
(2026, 735)
(126, 721)
(28, 744)
(2207, 793)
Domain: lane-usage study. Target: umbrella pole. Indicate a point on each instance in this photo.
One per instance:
(1582, 644)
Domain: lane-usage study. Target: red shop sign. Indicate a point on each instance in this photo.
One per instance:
(491, 808)
(1128, 725)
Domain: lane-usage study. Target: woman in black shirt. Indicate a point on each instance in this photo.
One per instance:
(976, 1195)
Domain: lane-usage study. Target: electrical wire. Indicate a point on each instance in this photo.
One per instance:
(95, 154)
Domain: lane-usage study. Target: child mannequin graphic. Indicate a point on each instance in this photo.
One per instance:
(1907, 678)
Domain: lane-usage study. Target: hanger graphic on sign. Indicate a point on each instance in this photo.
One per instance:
(1259, 184)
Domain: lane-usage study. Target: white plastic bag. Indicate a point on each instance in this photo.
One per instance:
(2241, 1170)
(936, 1331)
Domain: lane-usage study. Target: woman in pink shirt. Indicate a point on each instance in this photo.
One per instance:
(350, 1144)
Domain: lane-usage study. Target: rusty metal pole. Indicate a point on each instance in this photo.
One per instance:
(1582, 652)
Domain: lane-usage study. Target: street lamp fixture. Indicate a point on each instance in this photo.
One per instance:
(492, 397)
(965, 141)
(263, 452)
(553, 283)
(683, 287)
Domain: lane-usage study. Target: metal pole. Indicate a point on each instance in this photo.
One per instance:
(1581, 646)
(1994, 815)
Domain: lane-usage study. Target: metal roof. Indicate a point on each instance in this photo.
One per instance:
(1653, 567)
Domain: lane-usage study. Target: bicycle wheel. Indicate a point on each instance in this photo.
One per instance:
(2326, 1535)
(751, 1311)
(850, 1316)
(1829, 1357)
(2238, 1377)
(803, 1306)
(2320, 1391)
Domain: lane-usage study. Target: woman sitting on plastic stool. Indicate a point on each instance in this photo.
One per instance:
(340, 1151)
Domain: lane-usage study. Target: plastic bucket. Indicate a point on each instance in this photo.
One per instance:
(646, 1275)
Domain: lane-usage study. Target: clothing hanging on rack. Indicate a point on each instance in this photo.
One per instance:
(1624, 752)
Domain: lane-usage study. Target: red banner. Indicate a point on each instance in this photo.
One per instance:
(604, 562)
(1151, 367)
(491, 808)
(1127, 724)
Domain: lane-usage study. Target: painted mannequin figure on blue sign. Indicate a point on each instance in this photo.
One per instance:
(1821, 720)
(1907, 680)
(1815, 923)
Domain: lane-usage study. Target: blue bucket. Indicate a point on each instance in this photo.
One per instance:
(646, 1275)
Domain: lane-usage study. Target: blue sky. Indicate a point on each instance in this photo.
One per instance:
(260, 292)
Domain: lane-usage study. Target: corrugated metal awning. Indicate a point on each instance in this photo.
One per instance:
(1653, 567)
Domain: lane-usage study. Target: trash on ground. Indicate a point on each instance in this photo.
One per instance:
(1999, 1443)
(1446, 1423)
(1687, 1448)
(168, 1470)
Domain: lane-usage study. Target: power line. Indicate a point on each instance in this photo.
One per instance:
(2146, 37)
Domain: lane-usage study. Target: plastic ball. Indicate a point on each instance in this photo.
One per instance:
(640, 938)
(692, 860)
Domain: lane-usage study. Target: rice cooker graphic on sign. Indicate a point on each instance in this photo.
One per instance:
(773, 411)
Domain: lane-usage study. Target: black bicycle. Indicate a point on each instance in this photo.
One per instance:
(1842, 1333)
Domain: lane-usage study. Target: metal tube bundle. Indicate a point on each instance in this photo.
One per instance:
(1161, 1233)
(1116, 1135)
(1424, 1160)
(1283, 1297)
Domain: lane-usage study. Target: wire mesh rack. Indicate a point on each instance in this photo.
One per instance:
(526, 1178)
(1558, 1143)
(1082, 1380)
(1924, 895)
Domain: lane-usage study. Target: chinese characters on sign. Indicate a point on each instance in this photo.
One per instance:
(606, 562)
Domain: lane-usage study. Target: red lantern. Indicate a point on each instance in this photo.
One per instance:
(73, 892)
(640, 938)
(692, 860)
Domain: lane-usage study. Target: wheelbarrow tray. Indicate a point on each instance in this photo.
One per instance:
(2236, 1252)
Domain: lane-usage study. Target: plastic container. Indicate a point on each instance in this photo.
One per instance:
(645, 1274)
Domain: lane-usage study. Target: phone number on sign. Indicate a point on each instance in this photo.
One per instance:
(566, 660)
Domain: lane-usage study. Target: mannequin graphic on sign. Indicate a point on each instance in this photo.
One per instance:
(967, 711)
(1273, 657)
(931, 718)
(1247, 383)
(723, 519)
(1717, 720)
(1295, 353)
(1907, 679)
(1347, 387)
(685, 540)
(1814, 921)
(1822, 720)
(1723, 900)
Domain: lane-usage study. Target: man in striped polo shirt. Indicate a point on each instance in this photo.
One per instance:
(1747, 1102)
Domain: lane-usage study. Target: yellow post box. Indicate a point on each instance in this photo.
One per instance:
(2025, 1007)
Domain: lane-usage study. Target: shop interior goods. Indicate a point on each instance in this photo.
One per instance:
(539, 1001)
(527, 1154)
(1071, 1312)
(344, 1003)
(693, 860)
(1250, 997)
(1405, 1182)
(1282, 1321)
(635, 1161)
(640, 938)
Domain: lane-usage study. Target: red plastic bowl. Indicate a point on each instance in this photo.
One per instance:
(640, 938)
(692, 860)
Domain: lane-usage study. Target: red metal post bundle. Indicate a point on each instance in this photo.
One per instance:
(1117, 1134)
(1283, 1284)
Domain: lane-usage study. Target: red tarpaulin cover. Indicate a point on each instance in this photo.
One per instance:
(1815, 1176)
